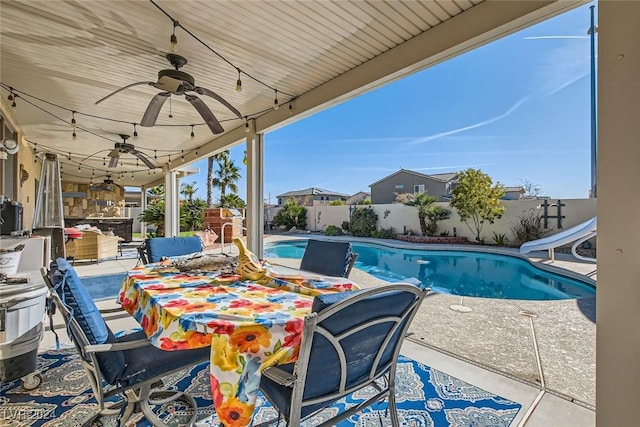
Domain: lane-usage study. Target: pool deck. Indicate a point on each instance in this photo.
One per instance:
(540, 354)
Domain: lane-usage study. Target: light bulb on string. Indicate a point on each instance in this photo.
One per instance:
(192, 133)
(275, 101)
(13, 103)
(155, 154)
(79, 169)
(173, 40)
(182, 156)
(132, 177)
(135, 132)
(74, 136)
(104, 162)
(246, 125)
(137, 163)
(10, 97)
(290, 108)
(69, 156)
(196, 152)
(239, 82)
(73, 120)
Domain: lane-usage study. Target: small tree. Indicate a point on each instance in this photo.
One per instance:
(232, 201)
(531, 189)
(435, 214)
(428, 215)
(291, 215)
(477, 200)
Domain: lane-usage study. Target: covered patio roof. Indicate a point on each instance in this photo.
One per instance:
(63, 56)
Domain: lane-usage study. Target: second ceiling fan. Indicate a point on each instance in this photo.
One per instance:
(126, 148)
(176, 82)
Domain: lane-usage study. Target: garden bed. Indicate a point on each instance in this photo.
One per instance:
(434, 239)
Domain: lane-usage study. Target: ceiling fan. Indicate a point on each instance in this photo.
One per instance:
(176, 82)
(107, 184)
(126, 148)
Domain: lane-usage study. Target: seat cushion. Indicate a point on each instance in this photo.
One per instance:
(327, 258)
(73, 293)
(160, 247)
(150, 362)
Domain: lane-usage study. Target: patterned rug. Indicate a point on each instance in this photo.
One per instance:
(426, 398)
(106, 286)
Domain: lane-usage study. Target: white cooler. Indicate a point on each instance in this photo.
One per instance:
(22, 309)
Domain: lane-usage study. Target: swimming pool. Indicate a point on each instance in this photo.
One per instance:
(455, 272)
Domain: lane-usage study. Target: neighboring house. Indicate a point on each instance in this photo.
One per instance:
(406, 181)
(513, 193)
(312, 196)
(359, 198)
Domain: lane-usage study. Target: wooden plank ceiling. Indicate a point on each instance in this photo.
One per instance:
(63, 56)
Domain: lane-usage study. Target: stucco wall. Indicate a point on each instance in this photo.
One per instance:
(403, 218)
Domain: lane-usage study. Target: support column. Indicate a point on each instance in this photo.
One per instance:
(255, 190)
(143, 205)
(171, 204)
(618, 295)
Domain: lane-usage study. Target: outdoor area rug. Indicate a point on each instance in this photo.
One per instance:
(426, 397)
(104, 286)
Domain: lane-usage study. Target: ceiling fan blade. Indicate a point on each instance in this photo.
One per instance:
(212, 94)
(114, 162)
(206, 113)
(153, 109)
(143, 158)
(123, 88)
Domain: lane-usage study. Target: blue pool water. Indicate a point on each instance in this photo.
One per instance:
(467, 273)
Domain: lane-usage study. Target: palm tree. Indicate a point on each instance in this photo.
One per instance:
(210, 179)
(226, 176)
(155, 193)
(188, 190)
(421, 201)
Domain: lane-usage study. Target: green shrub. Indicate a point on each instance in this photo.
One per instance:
(345, 225)
(499, 239)
(336, 202)
(384, 233)
(529, 227)
(363, 222)
(333, 230)
(291, 215)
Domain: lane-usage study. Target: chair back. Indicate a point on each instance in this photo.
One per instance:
(85, 324)
(351, 341)
(160, 247)
(328, 258)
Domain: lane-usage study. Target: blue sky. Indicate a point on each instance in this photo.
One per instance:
(518, 109)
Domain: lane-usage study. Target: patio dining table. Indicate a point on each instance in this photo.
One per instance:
(249, 325)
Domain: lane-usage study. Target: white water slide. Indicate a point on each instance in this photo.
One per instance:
(578, 234)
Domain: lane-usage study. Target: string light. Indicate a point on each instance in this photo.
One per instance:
(192, 133)
(239, 82)
(13, 103)
(196, 152)
(104, 161)
(74, 136)
(155, 154)
(135, 132)
(182, 156)
(79, 169)
(173, 40)
(73, 120)
(10, 97)
(290, 108)
(69, 156)
(246, 125)
(275, 101)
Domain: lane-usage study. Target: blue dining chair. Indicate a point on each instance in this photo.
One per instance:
(328, 258)
(349, 341)
(157, 248)
(127, 366)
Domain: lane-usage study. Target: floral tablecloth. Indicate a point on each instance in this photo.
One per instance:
(249, 326)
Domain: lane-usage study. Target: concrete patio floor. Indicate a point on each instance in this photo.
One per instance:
(540, 354)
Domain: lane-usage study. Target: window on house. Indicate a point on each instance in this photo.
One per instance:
(399, 186)
(418, 189)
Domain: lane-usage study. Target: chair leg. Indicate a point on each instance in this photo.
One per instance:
(393, 411)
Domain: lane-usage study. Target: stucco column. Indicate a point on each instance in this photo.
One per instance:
(171, 204)
(255, 190)
(618, 294)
